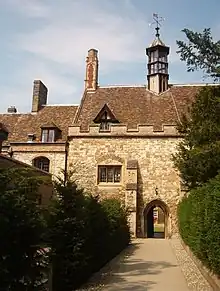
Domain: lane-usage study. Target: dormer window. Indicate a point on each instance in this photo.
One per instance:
(105, 122)
(49, 133)
(104, 125)
(105, 118)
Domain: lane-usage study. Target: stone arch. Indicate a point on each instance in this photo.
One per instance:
(107, 158)
(149, 208)
(42, 163)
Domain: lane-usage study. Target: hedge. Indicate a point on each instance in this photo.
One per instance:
(199, 223)
(84, 234)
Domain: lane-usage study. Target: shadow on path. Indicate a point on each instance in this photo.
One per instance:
(129, 271)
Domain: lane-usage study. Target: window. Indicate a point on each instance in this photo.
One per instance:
(104, 126)
(109, 174)
(105, 122)
(42, 163)
(48, 135)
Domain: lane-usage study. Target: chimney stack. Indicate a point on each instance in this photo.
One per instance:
(91, 81)
(39, 96)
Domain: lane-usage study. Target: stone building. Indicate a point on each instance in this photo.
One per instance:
(39, 138)
(119, 140)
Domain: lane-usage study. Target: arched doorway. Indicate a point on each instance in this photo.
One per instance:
(156, 219)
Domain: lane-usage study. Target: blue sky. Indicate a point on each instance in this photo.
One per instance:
(49, 40)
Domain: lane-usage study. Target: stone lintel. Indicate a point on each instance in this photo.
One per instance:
(132, 164)
(131, 186)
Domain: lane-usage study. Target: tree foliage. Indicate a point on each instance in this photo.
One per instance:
(22, 265)
(200, 52)
(198, 155)
(83, 234)
(80, 233)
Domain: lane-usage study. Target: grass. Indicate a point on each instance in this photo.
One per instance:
(159, 227)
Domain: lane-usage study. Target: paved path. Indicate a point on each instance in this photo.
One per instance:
(150, 265)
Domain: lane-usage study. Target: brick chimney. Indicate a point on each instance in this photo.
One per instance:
(39, 96)
(91, 81)
(3, 135)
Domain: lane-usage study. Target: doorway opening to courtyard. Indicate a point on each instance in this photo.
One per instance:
(155, 220)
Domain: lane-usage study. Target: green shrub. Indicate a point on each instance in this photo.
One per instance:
(199, 223)
(83, 234)
(22, 266)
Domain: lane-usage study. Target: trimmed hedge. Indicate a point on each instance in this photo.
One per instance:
(84, 234)
(199, 223)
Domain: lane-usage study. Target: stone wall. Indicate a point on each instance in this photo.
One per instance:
(156, 177)
(54, 152)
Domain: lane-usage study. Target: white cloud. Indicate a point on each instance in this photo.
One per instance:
(73, 29)
(29, 8)
(59, 35)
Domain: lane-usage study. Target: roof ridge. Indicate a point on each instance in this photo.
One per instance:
(122, 86)
(194, 85)
(50, 105)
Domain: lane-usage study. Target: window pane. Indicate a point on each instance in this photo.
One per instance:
(117, 175)
(44, 135)
(102, 174)
(51, 135)
(110, 173)
(104, 125)
(42, 164)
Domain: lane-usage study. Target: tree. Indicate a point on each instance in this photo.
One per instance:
(23, 266)
(198, 155)
(66, 235)
(83, 233)
(200, 52)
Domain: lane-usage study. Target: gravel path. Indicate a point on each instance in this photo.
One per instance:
(195, 279)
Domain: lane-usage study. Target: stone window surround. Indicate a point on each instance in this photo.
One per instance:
(42, 163)
(108, 166)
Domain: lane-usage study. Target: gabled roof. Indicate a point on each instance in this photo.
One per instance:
(105, 113)
(20, 125)
(137, 105)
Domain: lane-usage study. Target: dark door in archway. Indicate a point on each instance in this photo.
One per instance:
(150, 223)
(154, 222)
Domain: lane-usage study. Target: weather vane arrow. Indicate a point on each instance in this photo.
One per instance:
(157, 22)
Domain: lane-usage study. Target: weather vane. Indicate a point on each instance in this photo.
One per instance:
(157, 21)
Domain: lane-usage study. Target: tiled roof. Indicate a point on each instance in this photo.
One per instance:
(137, 105)
(20, 125)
